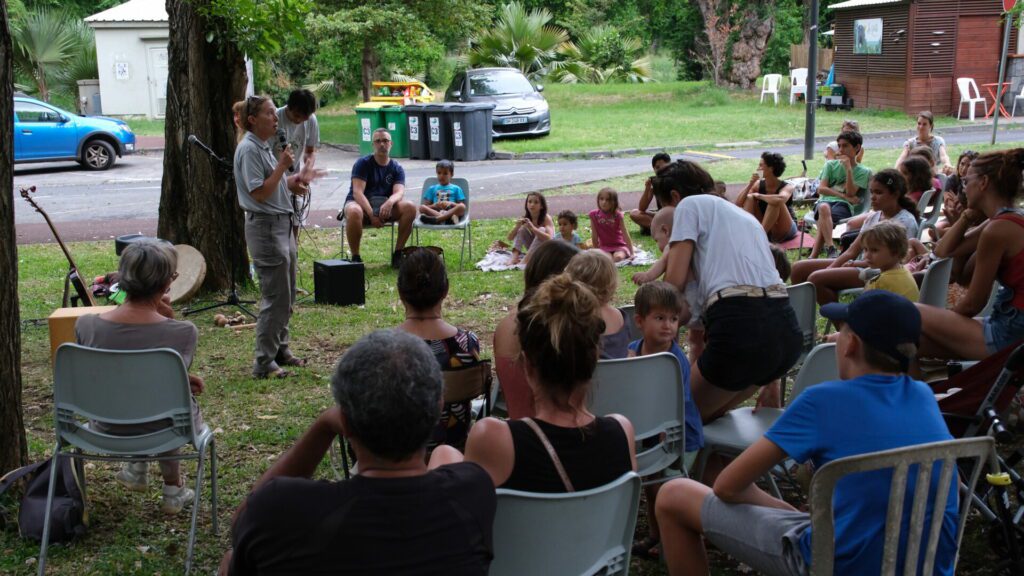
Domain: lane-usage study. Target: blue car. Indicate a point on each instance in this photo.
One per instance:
(45, 133)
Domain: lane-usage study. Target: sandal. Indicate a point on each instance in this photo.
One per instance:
(292, 361)
(648, 548)
(273, 374)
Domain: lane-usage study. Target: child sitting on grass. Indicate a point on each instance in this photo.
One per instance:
(567, 223)
(873, 406)
(610, 234)
(444, 202)
(659, 310)
(885, 246)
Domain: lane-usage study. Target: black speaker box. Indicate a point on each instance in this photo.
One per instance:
(339, 282)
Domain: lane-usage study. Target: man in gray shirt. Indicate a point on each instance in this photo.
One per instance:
(296, 121)
(265, 193)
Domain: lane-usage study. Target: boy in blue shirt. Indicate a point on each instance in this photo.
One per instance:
(875, 406)
(444, 202)
(659, 308)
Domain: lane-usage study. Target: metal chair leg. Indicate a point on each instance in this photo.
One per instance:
(196, 499)
(49, 504)
(213, 484)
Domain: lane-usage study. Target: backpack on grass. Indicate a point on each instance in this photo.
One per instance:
(69, 516)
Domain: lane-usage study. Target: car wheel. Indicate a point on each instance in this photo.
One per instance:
(97, 155)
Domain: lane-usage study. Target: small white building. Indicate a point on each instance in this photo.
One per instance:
(131, 50)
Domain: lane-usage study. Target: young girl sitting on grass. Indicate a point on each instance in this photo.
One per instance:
(609, 227)
(534, 227)
(596, 270)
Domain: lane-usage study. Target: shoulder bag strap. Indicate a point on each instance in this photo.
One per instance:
(551, 452)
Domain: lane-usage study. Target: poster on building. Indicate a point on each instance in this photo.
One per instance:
(867, 36)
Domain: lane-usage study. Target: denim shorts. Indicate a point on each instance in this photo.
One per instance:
(766, 539)
(749, 342)
(787, 236)
(1006, 324)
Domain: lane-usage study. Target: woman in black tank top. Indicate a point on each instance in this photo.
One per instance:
(559, 329)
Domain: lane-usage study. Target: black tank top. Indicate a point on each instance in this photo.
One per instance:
(763, 206)
(592, 456)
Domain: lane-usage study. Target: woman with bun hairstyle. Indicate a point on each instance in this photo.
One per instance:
(423, 286)
(559, 329)
(991, 184)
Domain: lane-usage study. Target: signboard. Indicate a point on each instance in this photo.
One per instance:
(867, 36)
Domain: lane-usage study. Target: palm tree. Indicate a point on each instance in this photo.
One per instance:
(81, 64)
(602, 55)
(43, 41)
(519, 39)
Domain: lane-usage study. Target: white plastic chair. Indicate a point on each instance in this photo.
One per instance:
(797, 84)
(924, 457)
(343, 223)
(127, 387)
(579, 533)
(930, 208)
(970, 95)
(770, 85)
(1013, 111)
(739, 428)
(802, 297)
(935, 285)
(647, 390)
(465, 224)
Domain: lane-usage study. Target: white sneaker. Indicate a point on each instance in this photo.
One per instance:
(176, 498)
(134, 476)
(455, 219)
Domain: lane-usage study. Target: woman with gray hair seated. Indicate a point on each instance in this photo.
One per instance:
(146, 321)
(400, 515)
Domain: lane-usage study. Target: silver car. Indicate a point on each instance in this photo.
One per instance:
(520, 110)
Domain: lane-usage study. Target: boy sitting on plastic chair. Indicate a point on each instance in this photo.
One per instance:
(444, 202)
(878, 338)
(659, 309)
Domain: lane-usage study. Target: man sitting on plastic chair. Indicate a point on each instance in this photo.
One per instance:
(400, 515)
(879, 336)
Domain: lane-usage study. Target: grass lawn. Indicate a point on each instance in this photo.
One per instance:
(254, 421)
(618, 116)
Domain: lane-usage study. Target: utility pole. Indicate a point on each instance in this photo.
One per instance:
(1007, 6)
(811, 97)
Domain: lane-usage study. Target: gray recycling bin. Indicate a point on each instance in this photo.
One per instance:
(419, 135)
(438, 131)
(471, 130)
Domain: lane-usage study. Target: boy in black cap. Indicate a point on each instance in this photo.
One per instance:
(875, 406)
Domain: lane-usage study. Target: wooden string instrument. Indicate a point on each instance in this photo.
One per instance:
(74, 277)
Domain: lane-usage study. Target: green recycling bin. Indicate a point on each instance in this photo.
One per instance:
(369, 117)
(396, 122)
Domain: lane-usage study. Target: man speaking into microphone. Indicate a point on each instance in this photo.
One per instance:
(265, 192)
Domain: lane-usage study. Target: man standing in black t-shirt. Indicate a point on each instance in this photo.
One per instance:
(377, 196)
(399, 514)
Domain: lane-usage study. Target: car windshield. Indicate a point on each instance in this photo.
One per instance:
(495, 83)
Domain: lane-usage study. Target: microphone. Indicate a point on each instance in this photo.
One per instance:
(192, 139)
(282, 140)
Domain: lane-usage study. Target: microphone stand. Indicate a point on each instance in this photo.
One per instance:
(233, 299)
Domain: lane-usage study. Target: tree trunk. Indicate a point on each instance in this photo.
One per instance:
(758, 23)
(368, 68)
(13, 448)
(717, 15)
(198, 202)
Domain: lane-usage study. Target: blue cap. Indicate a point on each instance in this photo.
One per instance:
(881, 319)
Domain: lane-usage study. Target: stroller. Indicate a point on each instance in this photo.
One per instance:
(985, 390)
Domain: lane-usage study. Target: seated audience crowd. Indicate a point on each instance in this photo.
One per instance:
(425, 481)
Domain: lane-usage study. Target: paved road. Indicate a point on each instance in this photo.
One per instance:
(124, 199)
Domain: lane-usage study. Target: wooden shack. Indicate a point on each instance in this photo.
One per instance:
(907, 54)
